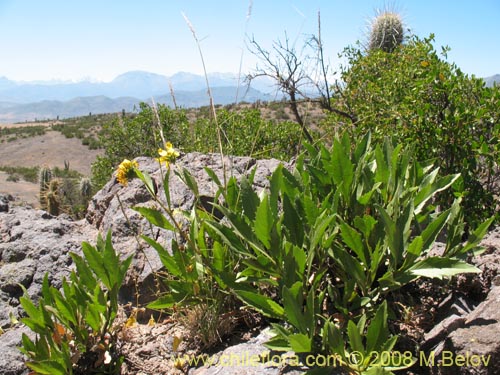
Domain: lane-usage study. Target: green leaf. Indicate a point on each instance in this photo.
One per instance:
(166, 259)
(163, 302)
(292, 222)
(353, 240)
(322, 224)
(155, 217)
(111, 261)
(64, 308)
(300, 343)
(377, 331)
(435, 227)
(442, 267)
(123, 268)
(146, 179)
(474, 239)
(332, 339)
(278, 343)
(261, 303)
(430, 189)
(264, 222)
(47, 367)
(377, 371)
(365, 224)
(96, 264)
(166, 187)
(292, 302)
(249, 198)
(219, 257)
(84, 273)
(213, 176)
(355, 340)
(341, 168)
(190, 182)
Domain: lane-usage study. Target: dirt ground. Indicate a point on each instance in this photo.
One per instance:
(51, 150)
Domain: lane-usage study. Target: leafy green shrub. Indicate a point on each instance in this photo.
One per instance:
(23, 131)
(27, 173)
(423, 100)
(74, 326)
(243, 133)
(333, 238)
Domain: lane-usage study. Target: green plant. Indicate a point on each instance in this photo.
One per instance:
(85, 187)
(333, 238)
(52, 197)
(74, 326)
(425, 101)
(191, 289)
(13, 178)
(44, 177)
(243, 133)
(27, 173)
(386, 32)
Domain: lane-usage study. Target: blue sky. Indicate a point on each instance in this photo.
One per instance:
(100, 39)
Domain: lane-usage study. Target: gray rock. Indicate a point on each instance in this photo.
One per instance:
(468, 343)
(4, 202)
(479, 338)
(12, 360)
(33, 243)
(253, 358)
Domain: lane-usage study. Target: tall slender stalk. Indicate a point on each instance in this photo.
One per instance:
(209, 90)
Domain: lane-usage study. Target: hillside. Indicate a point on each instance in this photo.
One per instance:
(31, 101)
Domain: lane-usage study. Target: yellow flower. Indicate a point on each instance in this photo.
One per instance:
(167, 155)
(126, 171)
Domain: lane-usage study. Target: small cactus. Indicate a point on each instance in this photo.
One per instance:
(386, 32)
(85, 187)
(52, 197)
(44, 177)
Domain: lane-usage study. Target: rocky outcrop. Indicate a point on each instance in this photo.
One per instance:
(466, 340)
(32, 243)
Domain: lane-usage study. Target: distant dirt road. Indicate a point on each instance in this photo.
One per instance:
(51, 150)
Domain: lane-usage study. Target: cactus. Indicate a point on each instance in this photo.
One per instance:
(52, 197)
(85, 187)
(386, 32)
(44, 177)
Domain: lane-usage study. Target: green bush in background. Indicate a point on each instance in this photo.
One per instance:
(421, 99)
(243, 133)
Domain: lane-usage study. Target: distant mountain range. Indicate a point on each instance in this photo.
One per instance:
(490, 81)
(27, 101)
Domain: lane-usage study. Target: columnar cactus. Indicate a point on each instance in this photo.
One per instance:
(85, 187)
(52, 197)
(44, 177)
(386, 32)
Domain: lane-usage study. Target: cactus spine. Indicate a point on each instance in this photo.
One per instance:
(44, 177)
(386, 32)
